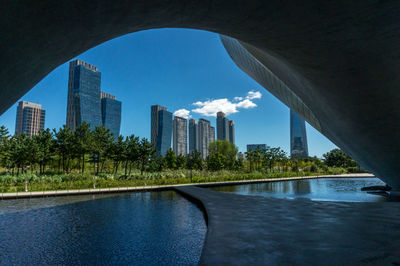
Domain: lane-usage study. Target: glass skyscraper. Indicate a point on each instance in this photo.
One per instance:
(225, 128)
(84, 87)
(180, 136)
(111, 113)
(30, 118)
(193, 136)
(154, 122)
(164, 135)
(298, 136)
(204, 134)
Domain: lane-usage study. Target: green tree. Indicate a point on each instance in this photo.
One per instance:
(180, 161)
(226, 149)
(146, 150)
(83, 143)
(44, 148)
(117, 152)
(132, 152)
(194, 161)
(337, 158)
(102, 139)
(215, 161)
(170, 159)
(64, 145)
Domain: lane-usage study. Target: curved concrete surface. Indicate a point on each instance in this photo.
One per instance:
(339, 61)
(252, 230)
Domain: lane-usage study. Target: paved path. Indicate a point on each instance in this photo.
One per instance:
(252, 230)
(54, 193)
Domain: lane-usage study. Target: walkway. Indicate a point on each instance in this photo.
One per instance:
(252, 230)
(71, 192)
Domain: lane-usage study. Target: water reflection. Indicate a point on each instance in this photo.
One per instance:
(328, 189)
(140, 228)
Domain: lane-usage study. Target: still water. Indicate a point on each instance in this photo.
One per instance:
(153, 228)
(326, 189)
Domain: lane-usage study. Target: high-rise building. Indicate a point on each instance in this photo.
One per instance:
(203, 137)
(231, 131)
(212, 134)
(30, 118)
(193, 136)
(180, 136)
(222, 126)
(111, 113)
(154, 122)
(83, 95)
(254, 147)
(298, 136)
(164, 135)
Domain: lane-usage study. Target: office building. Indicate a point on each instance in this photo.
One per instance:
(222, 126)
(154, 122)
(298, 136)
(180, 136)
(225, 128)
(111, 113)
(254, 147)
(203, 137)
(211, 134)
(83, 95)
(164, 134)
(30, 118)
(192, 136)
(231, 131)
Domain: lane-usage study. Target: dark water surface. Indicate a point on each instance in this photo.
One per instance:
(326, 189)
(152, 228)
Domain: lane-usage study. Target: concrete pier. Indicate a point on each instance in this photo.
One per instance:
(252, 230)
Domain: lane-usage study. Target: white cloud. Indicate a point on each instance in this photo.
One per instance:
(246, 104)
(253, 95)
(182, 113)
(211, 107)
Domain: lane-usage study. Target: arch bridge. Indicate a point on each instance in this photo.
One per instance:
(335, 63)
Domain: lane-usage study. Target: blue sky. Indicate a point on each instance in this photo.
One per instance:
(179, 69)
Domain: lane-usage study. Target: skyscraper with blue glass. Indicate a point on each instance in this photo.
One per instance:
(298, 136)
(164, 134)
(111, 113)
(87, 103)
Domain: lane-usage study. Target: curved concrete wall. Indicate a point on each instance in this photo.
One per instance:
(339, 60)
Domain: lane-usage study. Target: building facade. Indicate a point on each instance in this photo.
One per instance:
(164, 135)
(180, 136)
(154, 122)
(254, 147)
(79, 86)
(193, 136)
(211, 134)
(30, 118)
(111, 113)
(203, 137)
(231, 131)
(222, 126)
(298, 136)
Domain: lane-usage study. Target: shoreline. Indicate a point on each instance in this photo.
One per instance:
(59, 193)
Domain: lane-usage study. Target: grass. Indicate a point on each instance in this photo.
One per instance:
(33, 182)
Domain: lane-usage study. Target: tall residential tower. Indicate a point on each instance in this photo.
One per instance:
(30, 118)
(193, 136)
(154, 122)
(164, 134)
(180, 136)
(111, 113)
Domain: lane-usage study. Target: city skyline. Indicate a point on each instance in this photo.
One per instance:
(266, 123)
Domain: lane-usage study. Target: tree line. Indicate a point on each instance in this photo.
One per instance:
(66, 151)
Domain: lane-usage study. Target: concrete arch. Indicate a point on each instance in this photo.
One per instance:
(341, 59)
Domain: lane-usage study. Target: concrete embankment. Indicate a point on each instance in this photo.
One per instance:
(253, 230)
(71, 192)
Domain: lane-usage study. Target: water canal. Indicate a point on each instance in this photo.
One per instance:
(152, 228)
(323, 189)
